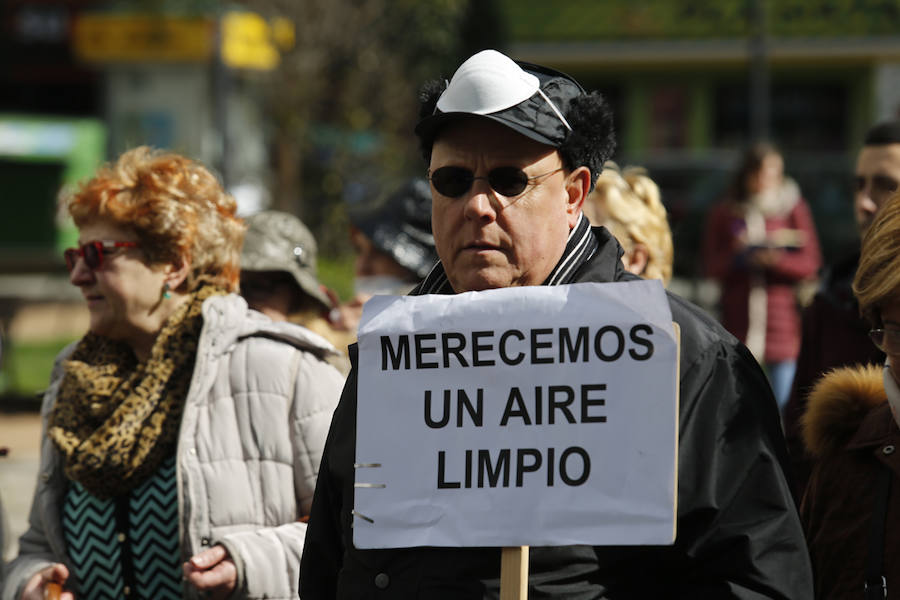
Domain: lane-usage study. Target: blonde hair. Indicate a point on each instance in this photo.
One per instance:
(877, 278)
(175, 206)
(628, 203)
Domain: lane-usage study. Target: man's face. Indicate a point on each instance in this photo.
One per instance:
(486, 240)
(877, 177)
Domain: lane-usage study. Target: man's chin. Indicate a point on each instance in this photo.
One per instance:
(479, 280)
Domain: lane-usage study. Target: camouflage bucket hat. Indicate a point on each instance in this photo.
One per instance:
(278, 241)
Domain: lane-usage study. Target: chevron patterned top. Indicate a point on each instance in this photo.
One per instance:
(126, 547)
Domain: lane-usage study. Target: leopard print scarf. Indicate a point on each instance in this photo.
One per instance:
(115, 419)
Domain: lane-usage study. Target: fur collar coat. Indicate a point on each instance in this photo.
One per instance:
(851, 435)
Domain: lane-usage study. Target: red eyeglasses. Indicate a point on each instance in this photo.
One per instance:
(93, 252)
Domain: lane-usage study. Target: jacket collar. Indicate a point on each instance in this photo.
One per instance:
(876, 429)
(606, 264)
(847, 408)
(881, 423)
(227, 319)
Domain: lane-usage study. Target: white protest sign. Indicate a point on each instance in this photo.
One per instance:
(517, 416)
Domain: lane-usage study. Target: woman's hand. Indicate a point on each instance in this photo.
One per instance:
(765, 258)
(211, 571)
(43, 582)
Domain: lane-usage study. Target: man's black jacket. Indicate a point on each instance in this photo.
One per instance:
(738, 535)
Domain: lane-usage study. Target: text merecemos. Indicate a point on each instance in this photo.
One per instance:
(513, 346)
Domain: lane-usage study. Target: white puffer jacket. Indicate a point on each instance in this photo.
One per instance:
(254, 425)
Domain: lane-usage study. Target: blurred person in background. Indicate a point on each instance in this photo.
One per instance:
(760, 245)
(834, 333)
(394, 247)
(182, 433)
(279, 277)
(850, 510)
(278, 267)
(628, 203)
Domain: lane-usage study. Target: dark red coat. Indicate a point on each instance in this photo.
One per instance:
(726, 261)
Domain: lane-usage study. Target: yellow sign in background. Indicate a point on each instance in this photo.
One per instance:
(251, 42)
(142, 38)
(248, 40)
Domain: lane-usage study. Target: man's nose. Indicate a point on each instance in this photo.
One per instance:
(864, 199)
(481, 201)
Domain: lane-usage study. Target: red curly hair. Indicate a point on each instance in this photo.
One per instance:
(176, 207)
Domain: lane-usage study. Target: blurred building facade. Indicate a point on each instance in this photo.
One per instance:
(81, 80)
(684, 79)
(691, 83)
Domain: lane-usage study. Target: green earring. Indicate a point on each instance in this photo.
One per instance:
(166, 293)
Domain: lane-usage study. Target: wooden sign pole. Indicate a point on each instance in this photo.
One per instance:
(514, 573)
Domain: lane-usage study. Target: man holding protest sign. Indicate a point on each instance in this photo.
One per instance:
(513, 150)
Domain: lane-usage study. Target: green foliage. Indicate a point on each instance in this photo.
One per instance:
(336, 273)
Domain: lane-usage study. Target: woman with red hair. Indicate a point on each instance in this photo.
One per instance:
(182, 433)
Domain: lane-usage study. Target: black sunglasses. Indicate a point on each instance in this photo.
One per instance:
(453, 182)
(93, 252)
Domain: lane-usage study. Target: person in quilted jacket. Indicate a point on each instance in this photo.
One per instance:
(182, 434)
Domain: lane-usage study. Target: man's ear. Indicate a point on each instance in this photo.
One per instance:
(578, 186)
(635, 260)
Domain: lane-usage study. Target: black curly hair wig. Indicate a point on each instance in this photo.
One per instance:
(591, 142)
